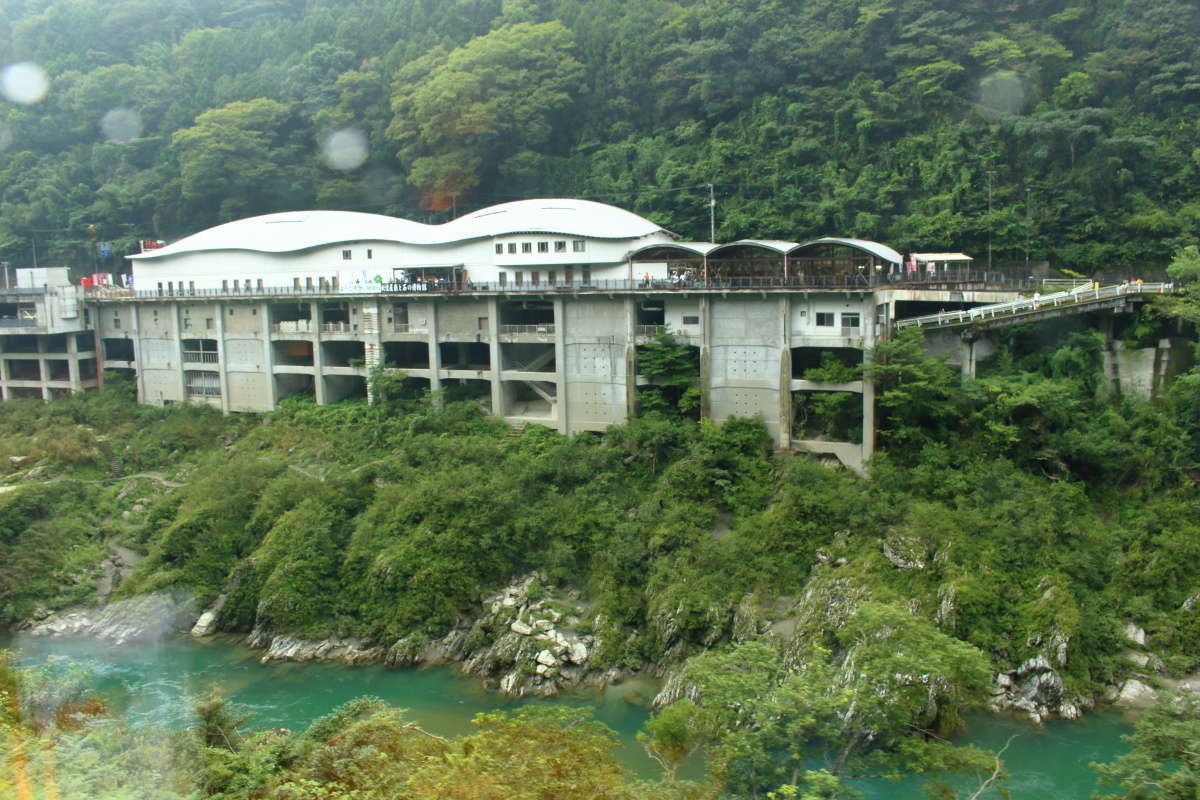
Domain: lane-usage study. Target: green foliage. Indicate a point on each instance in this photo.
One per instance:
(1163, 761)
(916, 394)
(761, 724)
(1088, 121)
(673, 370)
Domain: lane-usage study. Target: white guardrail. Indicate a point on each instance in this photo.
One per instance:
(1087, 293)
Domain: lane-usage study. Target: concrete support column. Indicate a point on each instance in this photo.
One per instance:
(785, 373)
(318, 358)
(435, 354)
(97, 347)
(177, 321)
(73, 363)
(372, 341)
(494, 356)
(968, 359)
(140, 375)
(269, 357)
(705, 356)
(631, 389)
(560, 364)
(868, 392)
(222, 370)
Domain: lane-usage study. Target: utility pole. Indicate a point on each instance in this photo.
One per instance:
(712, 214)
(991, 173)
(1028, 224)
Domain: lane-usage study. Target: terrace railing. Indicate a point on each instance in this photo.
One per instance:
(1081, 295)
(858, 281)
(544, 327)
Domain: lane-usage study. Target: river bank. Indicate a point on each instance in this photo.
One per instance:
(155, 684)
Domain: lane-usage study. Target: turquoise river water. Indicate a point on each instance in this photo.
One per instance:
(155, 682)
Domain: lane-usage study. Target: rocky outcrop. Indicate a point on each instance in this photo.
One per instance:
(526, 640)
(289, 648)
(139, 619)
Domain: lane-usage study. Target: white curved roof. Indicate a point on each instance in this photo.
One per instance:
(302, 230)
(874, 248)
(774, 245)
(696, 248)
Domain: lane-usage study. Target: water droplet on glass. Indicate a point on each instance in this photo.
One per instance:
(346, 149)
(121, 125)
(1002, 92)
(24, 82)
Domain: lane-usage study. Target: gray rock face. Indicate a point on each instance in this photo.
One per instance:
(524, 646)
(206, 625)
(1135, 694)
(138, 619)
(1135, 634)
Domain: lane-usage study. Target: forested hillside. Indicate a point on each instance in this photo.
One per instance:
(885, 120)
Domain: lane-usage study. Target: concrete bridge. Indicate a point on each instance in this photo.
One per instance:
(1080, 298)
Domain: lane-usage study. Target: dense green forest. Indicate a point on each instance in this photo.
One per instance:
(1060, 130)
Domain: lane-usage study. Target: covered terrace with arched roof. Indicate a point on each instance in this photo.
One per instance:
(748, 263)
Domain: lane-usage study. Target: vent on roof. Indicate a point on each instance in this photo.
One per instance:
(489, 213)
(557, 208)
(278, 221)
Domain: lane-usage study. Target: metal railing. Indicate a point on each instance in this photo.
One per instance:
(338, 327)
(293, 326)
(546, 327)
(21, 322)
(1084, 294)
(199, 357)
(649, 330)
(858, 281)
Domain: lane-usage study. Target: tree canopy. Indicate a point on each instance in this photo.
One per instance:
(879, 120)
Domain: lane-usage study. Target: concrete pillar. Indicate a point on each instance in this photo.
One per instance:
(785, 373)
(96, 347)
(269, 357)
(318, 359)
(968, 359)
(222, 370)
(372, 341)
(494, 346)
(43, 372)
(73, 363)
(435, 353)
(140, 375)
(705, 356)
(560, 364)
(631, 390)
(177, 318)
(868, 392)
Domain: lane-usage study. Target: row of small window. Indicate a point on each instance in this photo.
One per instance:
(349, 254)
(828, 319)
(535, 277)
(560, 246)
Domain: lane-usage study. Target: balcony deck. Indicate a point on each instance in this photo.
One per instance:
(959, 280)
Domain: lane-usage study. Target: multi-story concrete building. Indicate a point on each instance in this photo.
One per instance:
(538, 307)
(47, 342)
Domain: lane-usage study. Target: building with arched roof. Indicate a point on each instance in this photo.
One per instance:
(526, 241)
(537, 308)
